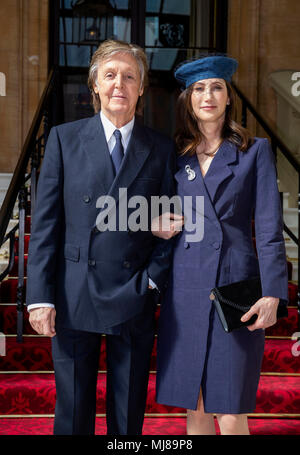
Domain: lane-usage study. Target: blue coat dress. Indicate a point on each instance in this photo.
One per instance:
(193, 349)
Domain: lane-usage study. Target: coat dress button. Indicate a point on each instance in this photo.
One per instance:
(126, 264)
(86, 198)
(216, 245)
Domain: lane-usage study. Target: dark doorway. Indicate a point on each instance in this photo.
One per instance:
(171, 31)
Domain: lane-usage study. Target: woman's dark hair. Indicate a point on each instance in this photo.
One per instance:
(187, 134)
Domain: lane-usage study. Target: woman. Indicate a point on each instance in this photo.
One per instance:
(200, 366)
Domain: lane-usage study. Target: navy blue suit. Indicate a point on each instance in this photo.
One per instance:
(193, 349)
(98, 281)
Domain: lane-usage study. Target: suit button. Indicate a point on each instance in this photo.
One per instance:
(129, 232)
(92, 262)
(216, 245)
(186, 245)
(126, 265)
(86, 198)
(95, 230)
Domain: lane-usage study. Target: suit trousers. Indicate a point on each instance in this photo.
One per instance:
(76, 361)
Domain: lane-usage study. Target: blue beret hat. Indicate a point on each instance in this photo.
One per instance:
(205, 68)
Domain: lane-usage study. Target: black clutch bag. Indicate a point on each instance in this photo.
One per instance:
(234, 300)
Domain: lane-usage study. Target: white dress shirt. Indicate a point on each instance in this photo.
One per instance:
(109, 129)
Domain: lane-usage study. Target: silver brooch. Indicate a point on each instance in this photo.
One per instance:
(190, 172)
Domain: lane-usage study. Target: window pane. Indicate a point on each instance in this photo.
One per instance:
(153, 6)
(169, 6)
(152, 31)
(122, 28)
(76, 55)
(76, 97)
(66, 4)
(120, 4)
(65, 29)
(177, 7)
(61, 56)
(161, 59)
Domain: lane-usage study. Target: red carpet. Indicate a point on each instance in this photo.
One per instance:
(152, 426)
(27, 393)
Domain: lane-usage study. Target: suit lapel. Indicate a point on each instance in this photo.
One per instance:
(138, 150)
(98, 156)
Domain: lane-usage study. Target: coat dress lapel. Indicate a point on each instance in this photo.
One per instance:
(219, 169)
(207, 186)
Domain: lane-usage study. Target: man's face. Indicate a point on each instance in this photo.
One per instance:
(119, 87)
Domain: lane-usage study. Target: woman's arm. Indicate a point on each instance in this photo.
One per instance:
(269, 240)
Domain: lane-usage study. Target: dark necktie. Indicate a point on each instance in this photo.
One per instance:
(118, 151)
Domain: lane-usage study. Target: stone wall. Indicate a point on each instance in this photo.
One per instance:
(264, 37)
(23, 60)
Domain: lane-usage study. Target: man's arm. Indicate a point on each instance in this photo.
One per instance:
(159, 263)
(44, 239)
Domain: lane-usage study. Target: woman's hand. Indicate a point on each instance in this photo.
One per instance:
(266, 310)
(167, 225)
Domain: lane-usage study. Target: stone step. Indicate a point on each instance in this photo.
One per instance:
(294, 262)
(290, 216)
(291, 249)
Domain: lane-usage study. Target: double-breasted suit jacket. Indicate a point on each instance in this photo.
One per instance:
(96, 279)
(193, 349)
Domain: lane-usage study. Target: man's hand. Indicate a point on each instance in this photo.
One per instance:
(266, 310)
(42, 320)
(167, 225)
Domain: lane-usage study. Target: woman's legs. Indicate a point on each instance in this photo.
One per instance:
(233, 424)
(198, 422)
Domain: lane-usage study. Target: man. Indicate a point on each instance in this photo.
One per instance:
(84, 281)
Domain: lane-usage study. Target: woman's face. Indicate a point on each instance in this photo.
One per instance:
(209, 99)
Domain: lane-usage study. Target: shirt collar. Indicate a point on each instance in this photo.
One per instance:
(109, 129)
